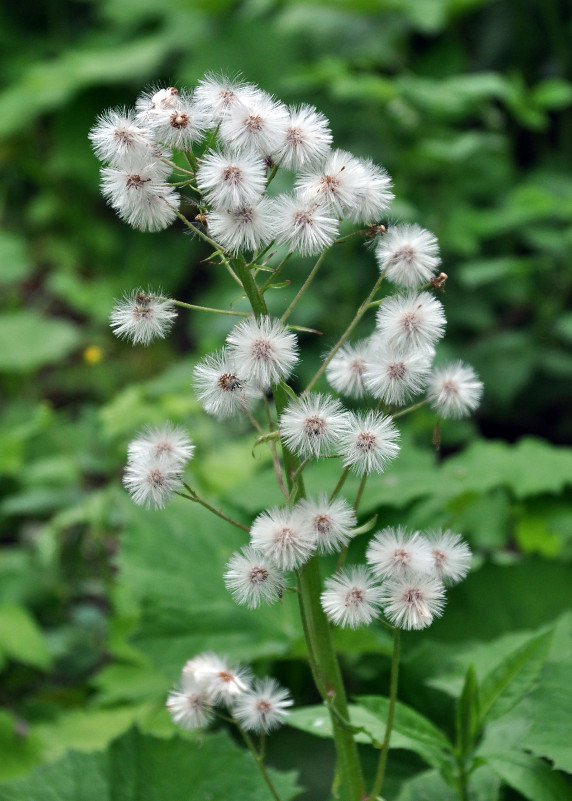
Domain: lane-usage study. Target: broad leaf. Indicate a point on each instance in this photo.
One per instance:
(532, 777)
(467, 713)
(411, 731)
(138, 767)
(21, 638)
(506, 684)
(30, 341)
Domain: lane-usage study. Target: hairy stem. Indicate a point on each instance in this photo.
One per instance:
(304, 286)
(259, 761)
(192, 496)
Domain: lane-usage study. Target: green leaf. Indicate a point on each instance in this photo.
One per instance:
(411, 731)
(19, 748)
(173, 562)
(21, 638)
(506, 684)
(467, 713)
(532, 777)
(30, 341)
(431, 786)
(145, 768)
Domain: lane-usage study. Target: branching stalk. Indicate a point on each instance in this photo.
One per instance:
(380, 774)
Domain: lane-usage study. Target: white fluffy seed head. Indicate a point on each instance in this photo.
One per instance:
(140, 195)
(331, 521)
(167, 442)
(257, 123)
(411, 322)
(263, 349)
(117, 138)
(395, 378)
(451, 557)
(411, 602)
(396, 552)
(283, 536)
(246, 227)
(369, 443)
(454, 390)
(307, 139)
(178, 125)
(220, 389)
(223, 681)
(312, 425)
(373, 193)
(346, 371)
(264, 707)
(190, 706)
(142, 317)
(305, 227)
(231, 180)
(253, 579)
(336, 184)
(351, 598)
(156, 100)
(408, 255)
(152, 482)
(216, 94)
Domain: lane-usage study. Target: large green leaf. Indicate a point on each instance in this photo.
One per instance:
(138, 767)
(508, 682)
(173, 562)
(532, 777)
(411, 731)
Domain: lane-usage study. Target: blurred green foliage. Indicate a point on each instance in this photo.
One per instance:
(468, 104)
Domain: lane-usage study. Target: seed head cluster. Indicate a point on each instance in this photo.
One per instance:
(233, 138)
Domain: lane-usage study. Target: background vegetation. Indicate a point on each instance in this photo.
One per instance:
(468, 104)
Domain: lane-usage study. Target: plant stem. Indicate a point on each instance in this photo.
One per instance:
(340, 484)
(275, 272)
(344, 551)
(261, 767)
(358, 315)
(206, 308)
(411, 408)
(305, 285)
(197, 499)
(317, 630)
(379, 776)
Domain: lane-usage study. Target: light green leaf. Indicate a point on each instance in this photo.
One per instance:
(411, 731)
(467, 713)
(532, 777)
(20, 749)
(14, 258)
(21, 638)
(506, 684)
(145, 768)
(30, 341)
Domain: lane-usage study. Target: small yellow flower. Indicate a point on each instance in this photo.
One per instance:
(92, 354)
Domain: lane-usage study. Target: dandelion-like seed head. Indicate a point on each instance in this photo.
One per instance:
(152, 482)
(395, 552)
(411, 322)
(411, 602)
(257, 123)
(312, 425)
(451, 556)
(142, 317)
(117, 138)
(190, 706)
(396, 377)
(307, 139)
(455, 390)
(283, 536)
(347, 369)
(244, 227)
(331, 521)
(263, 349)
(219, 387)
(351, 598)
(223, 681)
(231, 180)
(253, 579)
(264, 707)
(408, 255)
(369, 443)
(336, 184)
(303, 225)
(168, 442)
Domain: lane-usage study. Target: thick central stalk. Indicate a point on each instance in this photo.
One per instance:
(317, 630)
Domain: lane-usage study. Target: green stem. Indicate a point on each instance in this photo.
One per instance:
(358, 315)
(380, 775)
(344, 551)
(411, 408)
(275, 272)
(206, 308)
(316, 626)
(261, 767)
(192, 496)
(304, 286)
(340, 484)
(271, 176)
